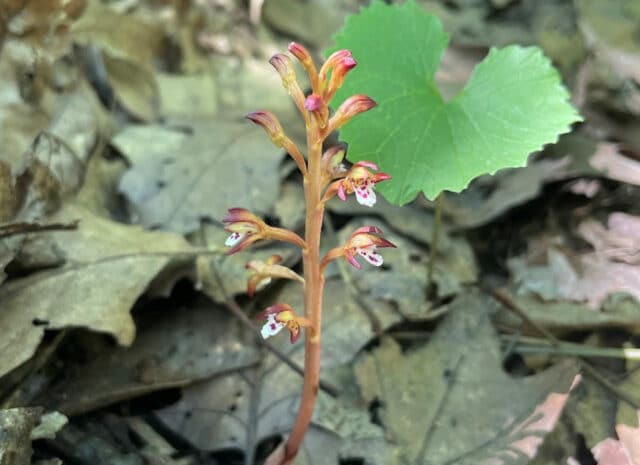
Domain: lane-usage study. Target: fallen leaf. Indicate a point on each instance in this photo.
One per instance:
(293, 18)
(174, 349)
(222, 413)
(123, 35)
(218, 165)
(20, 120)
(108, 266)
(617, 312)
(42, 19)
(454, 387)
(134, 87)
(50, 424)
(620, 242)
(491, 196)
(587, 277)
(188, 94)
(622, 451)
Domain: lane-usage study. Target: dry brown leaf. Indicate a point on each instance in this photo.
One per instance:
(134, 85)
(42, 18)
(238, 411)
(507, 189)
(450, 401)
(123, 35)
(200, 175)
(188, 94)
(589, 277)
(20, 121)
(622, 451)
(618, 312)
(108, 266)
(174, 349)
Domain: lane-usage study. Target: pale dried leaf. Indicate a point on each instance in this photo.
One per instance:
(589, 277)
(124, 35)
(134, 85)
(218, 166)
(506, 189)
(217, 414)
(622, 451)
(454, 387)
(108, 266)
(188, 95)
(175, 349)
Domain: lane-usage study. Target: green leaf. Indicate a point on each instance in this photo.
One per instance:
(513, 104)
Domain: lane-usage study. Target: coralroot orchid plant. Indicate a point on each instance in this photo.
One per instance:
(325, 176)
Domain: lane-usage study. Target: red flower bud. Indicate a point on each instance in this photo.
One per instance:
(338, 74)
(354, 105)
(270, 124)
(284, 66)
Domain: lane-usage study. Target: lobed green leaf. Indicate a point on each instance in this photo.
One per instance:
(513, 104)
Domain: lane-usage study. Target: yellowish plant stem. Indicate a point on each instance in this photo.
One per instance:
(314, 286)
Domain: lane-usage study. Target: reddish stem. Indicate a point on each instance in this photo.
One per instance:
(314, 286)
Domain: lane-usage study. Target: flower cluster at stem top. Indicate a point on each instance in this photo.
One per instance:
(335, 179)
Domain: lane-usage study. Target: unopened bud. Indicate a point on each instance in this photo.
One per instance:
(301, 53)
(332, 61)
(318, 108)
(338, 74)
(270, 124)
(354, 105)
(305, 59)
(284, 66)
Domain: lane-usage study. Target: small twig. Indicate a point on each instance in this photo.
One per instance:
(591, 371)
(542, 346)
(12, 229)
(233, 306)
(505, 299)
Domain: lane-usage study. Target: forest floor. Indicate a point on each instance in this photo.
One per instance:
(128, 336)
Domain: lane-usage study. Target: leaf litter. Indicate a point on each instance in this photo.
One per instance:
(117, 115)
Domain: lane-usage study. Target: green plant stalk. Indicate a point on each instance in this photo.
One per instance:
(435, 237)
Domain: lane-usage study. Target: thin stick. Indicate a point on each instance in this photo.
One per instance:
(505, 299)
(576, 350)
(12, 229)
(595, 374)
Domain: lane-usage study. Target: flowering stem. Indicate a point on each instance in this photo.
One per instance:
(318, 171)
(312, 295)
